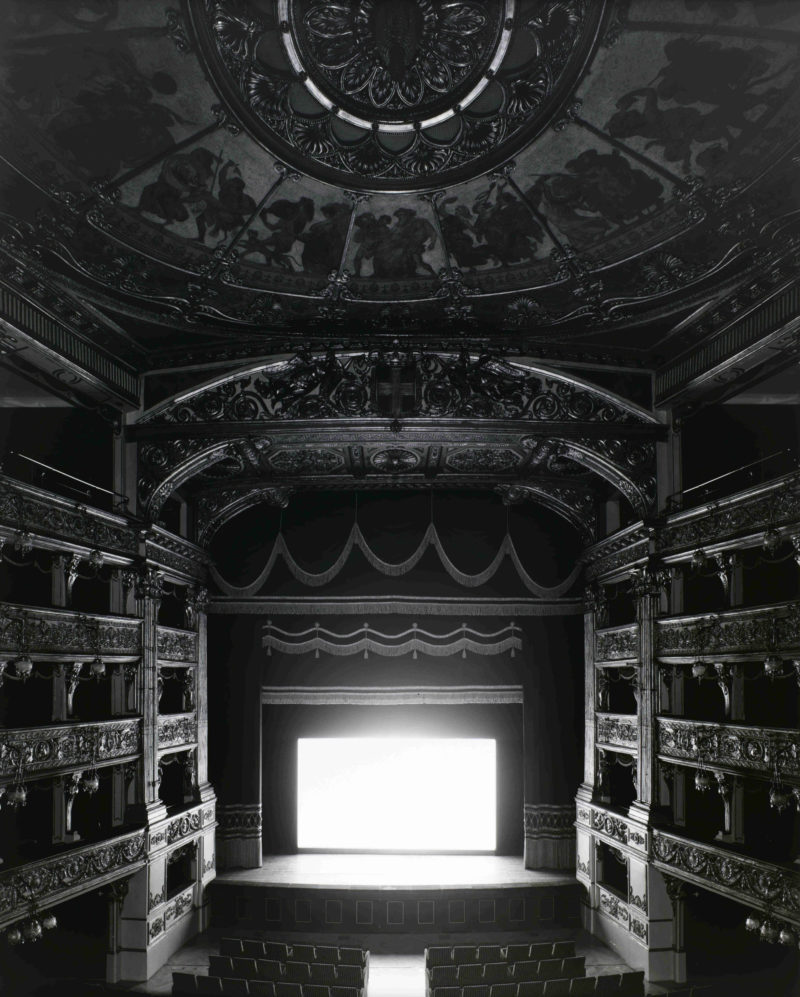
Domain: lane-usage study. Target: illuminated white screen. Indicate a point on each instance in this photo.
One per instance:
(396, 794)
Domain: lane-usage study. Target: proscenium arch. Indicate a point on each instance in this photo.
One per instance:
(598, 431)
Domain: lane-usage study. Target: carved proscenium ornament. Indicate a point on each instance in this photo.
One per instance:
(395, 94)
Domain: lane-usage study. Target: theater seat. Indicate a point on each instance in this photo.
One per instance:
(352, 957)
(288, 990)
(491, 953)
(447, 992)
(523, 972)
(438, 955)
(261, 988)
(243, 968)
(297, 972)
(518, 952)
(235, 988)
(269, 969)
(632, 984)
(495, 972)
(350, 976)
(346, 992)
(184, 983)
(220, 965)
(530, 988)
(551, 969)
(324, 974)
(441, 976)
(469, 975)
(254, 948)
(608, 985)
(302, 953)
(556, 988)
(208, 984)
(328, 954)
(480, 990)
(581, 986)
(563, 950)
(230, 946)
(276, 950)
(503, 990)
(315, 990)
(541, 950)
(574, 966)
(465, 955)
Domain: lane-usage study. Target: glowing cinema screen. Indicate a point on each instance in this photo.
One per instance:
(396, 794)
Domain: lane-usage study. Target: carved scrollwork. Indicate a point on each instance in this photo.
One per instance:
(746, 631)
(176, 645)
(54, 631)
(177, 730)
(617, 644)
(619, 731)
(52, 748)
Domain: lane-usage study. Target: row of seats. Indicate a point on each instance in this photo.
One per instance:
(472, 974)
(256, 948)
(324, 974)
(462, 955)
(615, 985)
(189, 985)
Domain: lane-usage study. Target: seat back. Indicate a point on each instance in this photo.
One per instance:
(324, 973)
(235, 988)
(632, 984)
(252, 947)
(518, 952)
(278, 951)
(447, 992)
(243, 968)
(438, 955)
(346, 992)
(350, 976)
(230, 946)
(563, 950)
(297, 972)
(491, 953)
(288, 990)
(582, 986)
(261, 988)
(495, 972)
(469, 975)
(574, 966)
(352, 957)
(328, 954)
(440, 976)
(315, 990)
(478, 990)
(608, 985)
(465, 955)
(530, 988)
(208, 984)
(269, 969)
(524, 971)
(503, 990)
(184, 983)
(556, 988)
(541, 950)
(550, 969)
(220, 965)
(302, 953)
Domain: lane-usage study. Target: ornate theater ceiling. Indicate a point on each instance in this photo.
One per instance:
(575, 180)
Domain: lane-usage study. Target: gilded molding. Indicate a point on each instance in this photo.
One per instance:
(177, 729)
(617, 730)
(611, 827)
(68, 633)
(176, 645)
(748, 880)
(745, 632)
(47, 749)
(617, 643)
(549, 820)
(48, 881)
(751, 749)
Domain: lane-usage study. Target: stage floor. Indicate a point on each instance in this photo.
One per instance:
(394, 872)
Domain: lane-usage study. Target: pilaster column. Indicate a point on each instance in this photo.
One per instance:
(196, 604)
(148, 590)
(593, 607)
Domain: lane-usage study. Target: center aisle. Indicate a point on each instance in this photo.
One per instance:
(396, 976)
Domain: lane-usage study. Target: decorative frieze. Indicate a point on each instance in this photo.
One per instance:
(752, 749)
(750, 881)
(619, 552)
(68, 634)
(611, 827)
(48, 516)
(53, 880)
(617, 644)
(177, 645)
(48, 749)
(612, 905)
(747, 512)
(184, 825)
(548, 820)
(177, 729)
(617, 730)
(239, 820)
(740, 632)
(175, 555)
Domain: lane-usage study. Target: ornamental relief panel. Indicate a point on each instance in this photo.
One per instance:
(619, 644)
(177, 730)
(610, 826)
(41, 882)
(748, 879)
(60, 747)
(614, 907)
(177, 645)
(618, 730)
(21, 505)
(739, 632)
(69, 633)
(750, 748)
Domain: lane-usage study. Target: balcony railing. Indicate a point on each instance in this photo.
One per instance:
(62, 633)
(38, 750)
(619, 731)
(753, 882)
(737, 634)
(612, 827)
(738, 749)
(617, 644)
(177, 645)
(176, 730)
(48, 881)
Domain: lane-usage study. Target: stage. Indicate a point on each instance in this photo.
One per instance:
(361, 894)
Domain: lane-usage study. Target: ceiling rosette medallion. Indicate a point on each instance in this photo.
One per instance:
(396, 94)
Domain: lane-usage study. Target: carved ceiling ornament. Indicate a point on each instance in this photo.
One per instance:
(395, 94)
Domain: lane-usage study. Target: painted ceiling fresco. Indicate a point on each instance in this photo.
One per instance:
(230, 177)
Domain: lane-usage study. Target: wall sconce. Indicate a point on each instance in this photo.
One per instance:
(773, 665)
(771, 541)
(31, 929)
(698, 561)
(97, 669)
